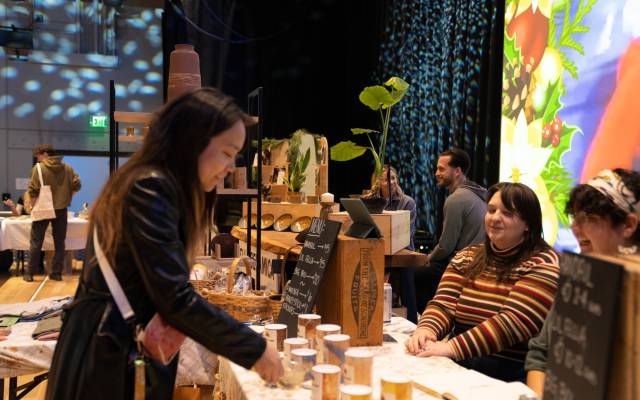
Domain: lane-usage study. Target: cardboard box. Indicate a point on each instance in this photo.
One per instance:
(394, 225)
(352, 290)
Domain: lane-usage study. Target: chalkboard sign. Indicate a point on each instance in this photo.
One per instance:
(301, 292)
(582, 328)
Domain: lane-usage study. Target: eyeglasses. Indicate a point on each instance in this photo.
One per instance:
(581, 218)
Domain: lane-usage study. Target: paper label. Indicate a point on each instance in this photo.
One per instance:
(388, 396)
(302, 331)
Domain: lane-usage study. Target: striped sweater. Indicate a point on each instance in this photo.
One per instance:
(492, 317)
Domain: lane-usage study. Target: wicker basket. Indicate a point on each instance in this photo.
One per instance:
(242, 307)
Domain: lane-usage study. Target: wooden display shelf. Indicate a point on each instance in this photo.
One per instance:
(237, 192)
(133, 117)
(280, 242)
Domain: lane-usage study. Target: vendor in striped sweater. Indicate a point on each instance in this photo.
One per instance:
(495, 296)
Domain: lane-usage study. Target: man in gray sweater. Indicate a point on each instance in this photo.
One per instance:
(463, 225)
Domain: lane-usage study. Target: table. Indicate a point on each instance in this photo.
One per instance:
(280, 242)
(15, 233)
(21, 355)
(435, 375)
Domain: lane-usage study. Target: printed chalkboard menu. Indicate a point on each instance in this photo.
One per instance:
(301, 292)
(582, 328)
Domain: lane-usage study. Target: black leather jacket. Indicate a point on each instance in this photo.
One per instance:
(92, 359)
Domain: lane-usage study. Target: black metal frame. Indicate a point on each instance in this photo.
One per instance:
(255, 108)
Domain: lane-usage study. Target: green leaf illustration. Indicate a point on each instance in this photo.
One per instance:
(555, 176)
(554, 91)
(511, 52)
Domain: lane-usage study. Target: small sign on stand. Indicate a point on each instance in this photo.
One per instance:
(582, 328)
(301, 292)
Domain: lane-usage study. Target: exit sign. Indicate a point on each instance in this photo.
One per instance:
(98, 121)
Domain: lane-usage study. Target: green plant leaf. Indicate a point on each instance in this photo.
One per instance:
(555, 90)
(345, 151)
(360, 131)
(375, 97)
(397, 83)
(511, 52)
(305, 161)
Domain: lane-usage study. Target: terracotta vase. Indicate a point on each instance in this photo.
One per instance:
(184, 71)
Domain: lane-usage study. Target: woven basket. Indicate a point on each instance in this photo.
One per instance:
(241, 307)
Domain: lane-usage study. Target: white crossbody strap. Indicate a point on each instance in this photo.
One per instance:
(40, 174)
(112, 281)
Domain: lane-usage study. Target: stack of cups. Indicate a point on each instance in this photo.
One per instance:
(307, 324)
(306, 359)
(326, 382)
(395, 387)
(358, 367)
(355, 392)
(276, 334)
(322, 331)
(334, 347)
(291, 344)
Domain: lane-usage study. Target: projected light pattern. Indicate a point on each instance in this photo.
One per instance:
(571, 71)
(63, 87)
(440, 58)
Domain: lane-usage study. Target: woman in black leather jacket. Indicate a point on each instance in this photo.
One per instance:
(149, 217)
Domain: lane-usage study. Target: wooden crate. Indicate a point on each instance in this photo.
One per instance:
(625, 361)
(352, 292)
(394, 225)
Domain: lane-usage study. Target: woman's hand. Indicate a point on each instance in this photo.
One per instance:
(269, 366)
(418, 340)
(440, 348)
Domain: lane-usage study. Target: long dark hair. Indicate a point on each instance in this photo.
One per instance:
(178, 134)
(521, 200)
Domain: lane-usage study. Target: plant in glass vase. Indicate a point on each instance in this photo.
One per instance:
(297, 168)
(379, 98)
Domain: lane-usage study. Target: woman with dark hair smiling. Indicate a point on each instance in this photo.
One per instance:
(495, 296)
(147, 222)
(604, 215)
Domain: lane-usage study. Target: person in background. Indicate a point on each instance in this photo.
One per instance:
(604, 216)
(400, 201)
(493, 297)
(64, 184)
(463, 220)
(22, 207)
(150, 219)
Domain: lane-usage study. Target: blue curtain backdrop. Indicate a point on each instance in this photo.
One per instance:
(450, 51)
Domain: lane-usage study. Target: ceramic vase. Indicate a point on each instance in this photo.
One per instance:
(184, 71)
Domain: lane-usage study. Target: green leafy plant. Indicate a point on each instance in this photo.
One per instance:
(379, 98)
(297, 163)
(297, 175)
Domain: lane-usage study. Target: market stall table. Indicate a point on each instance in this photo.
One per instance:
(15, 233)
(434, 375)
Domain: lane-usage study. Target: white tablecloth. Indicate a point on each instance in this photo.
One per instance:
(439, 373)
(16, 232)
(22, 355)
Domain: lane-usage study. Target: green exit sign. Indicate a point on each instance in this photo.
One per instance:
(98, 121)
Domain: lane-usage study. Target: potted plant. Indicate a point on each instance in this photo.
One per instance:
(297, 168)
(381, 99)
